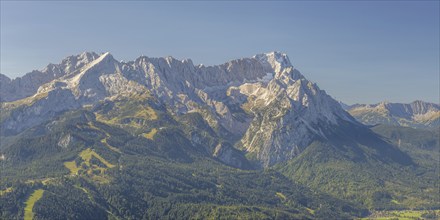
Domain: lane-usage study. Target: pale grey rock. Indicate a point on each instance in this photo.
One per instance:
(22, 87)
(263, 101)
(38, 111)
(65, 141)
(417, 114)
(227, 154)
(289, 113)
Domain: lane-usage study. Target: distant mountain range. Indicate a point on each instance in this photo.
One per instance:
(172, 136)
(417, 114)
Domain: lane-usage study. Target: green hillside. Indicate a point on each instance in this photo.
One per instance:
(140, 177)
(363, 177)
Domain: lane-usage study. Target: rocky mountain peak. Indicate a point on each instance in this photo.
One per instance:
(417, 114)
(72, 63)
(272, 109)
(276, 60)
(28, 84)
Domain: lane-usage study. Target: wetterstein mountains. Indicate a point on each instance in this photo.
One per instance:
(417, 114)
(271, 110)
(91, 116)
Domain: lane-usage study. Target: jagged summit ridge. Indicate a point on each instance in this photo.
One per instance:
(417, 114)
(262, 101)
(276, 60)
(27, 85)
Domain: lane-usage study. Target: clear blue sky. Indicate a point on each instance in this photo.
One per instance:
(359, 52)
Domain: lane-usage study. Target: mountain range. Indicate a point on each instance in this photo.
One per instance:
(176, 135)
(417, 114)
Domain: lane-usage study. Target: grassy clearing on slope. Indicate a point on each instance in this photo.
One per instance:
(94, 171)
(7, 190)
(44, 181)
(92, 126)
(49, 180)
(311, 211)
(25, 101)
(28, 213)
(151, 134)
(104, 141)
(132, 113)
(147, 113)
(281, 195)
(71, 165)
(87, 155)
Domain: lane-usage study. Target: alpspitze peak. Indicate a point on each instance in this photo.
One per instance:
(106, 54)
(102, 58)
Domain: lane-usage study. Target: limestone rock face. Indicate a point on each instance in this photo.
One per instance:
(229, 155)
(22, 87)
(66, 140)
(261, 105)
(417, 114)
(289, 112)
(35, 110)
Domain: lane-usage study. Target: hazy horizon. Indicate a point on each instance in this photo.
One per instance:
(359, 52)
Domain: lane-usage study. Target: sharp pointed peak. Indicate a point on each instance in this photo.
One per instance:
(105, 54)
